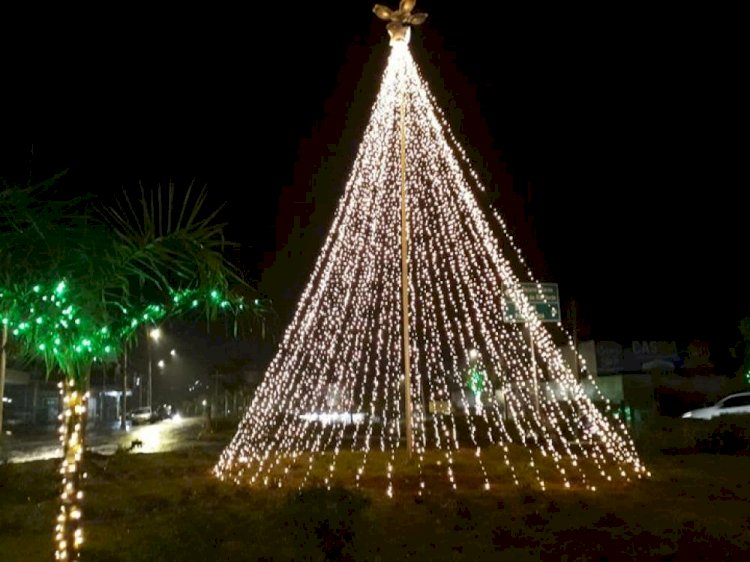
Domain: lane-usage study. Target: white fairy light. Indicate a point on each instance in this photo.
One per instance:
(68, 528)
(342, 353)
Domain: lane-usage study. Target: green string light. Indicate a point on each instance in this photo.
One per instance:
(40, 320)
(475, 380)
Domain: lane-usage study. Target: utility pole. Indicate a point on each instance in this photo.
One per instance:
(103, 394)
(148, 353)
(573, 316)
(124, 389)
(2, 374)
(216, 392)
(534, 370)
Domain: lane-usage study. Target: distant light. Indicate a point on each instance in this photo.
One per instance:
(173, 352)
(328, 418)
(473, 354)
(204, 402)
(155, 334)
(161, 363)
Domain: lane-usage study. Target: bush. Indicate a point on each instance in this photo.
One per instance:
(227, 423)
(728, 435)
(4, 450)
(666, 434)
(325, 520)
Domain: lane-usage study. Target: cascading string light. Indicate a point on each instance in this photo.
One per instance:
(540, 288)
(460, 310)
(431, 323)
(627, 444)
(438, 387)
(342, 352)
(463, 312)
(313, 392)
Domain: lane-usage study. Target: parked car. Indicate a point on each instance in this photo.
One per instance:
(165, 412)
(141, 415)
(738, 403)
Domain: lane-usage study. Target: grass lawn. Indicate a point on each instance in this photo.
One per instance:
(168, 507)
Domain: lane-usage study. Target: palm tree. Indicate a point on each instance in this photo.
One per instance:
(80, 279)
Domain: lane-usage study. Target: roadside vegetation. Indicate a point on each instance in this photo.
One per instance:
(168, 507)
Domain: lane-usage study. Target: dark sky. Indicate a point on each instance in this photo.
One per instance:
(618, 127)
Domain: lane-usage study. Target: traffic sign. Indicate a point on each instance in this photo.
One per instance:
(544, 297)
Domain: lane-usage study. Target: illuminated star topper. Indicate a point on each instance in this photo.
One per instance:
(399, 20)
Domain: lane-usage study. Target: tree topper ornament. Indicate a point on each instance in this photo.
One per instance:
(399, 20)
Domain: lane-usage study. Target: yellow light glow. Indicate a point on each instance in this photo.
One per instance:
(68, 533)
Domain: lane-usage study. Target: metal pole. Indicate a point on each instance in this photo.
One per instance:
(533, 371)
(35, 403)
(405, 286)
(103, 393)
(574, 326)
(215, 405)
(148, 352)
(124, 389)
(2, 374)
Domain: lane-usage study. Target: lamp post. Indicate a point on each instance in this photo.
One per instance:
(162, 364)
(124, 390)
(153, 334)
(3, 343)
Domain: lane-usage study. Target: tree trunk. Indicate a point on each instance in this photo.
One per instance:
(68, 531)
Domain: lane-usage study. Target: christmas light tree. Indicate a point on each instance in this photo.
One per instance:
(404, 312)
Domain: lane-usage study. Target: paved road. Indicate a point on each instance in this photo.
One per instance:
(167, 435)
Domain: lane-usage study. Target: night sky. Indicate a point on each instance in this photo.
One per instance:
(609, 134)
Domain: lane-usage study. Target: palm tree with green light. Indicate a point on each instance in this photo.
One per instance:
(79, 280)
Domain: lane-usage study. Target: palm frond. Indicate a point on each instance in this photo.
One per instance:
(123, 265)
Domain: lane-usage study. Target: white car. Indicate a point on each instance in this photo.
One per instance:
(141, 415)
(738, 403)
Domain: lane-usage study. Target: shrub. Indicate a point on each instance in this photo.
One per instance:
(730, 435)
(724, 435)
(4, 451)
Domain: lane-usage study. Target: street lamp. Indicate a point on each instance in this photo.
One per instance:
(161, 363)
(153, 334)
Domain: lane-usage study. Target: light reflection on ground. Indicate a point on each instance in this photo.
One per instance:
(166, 435)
